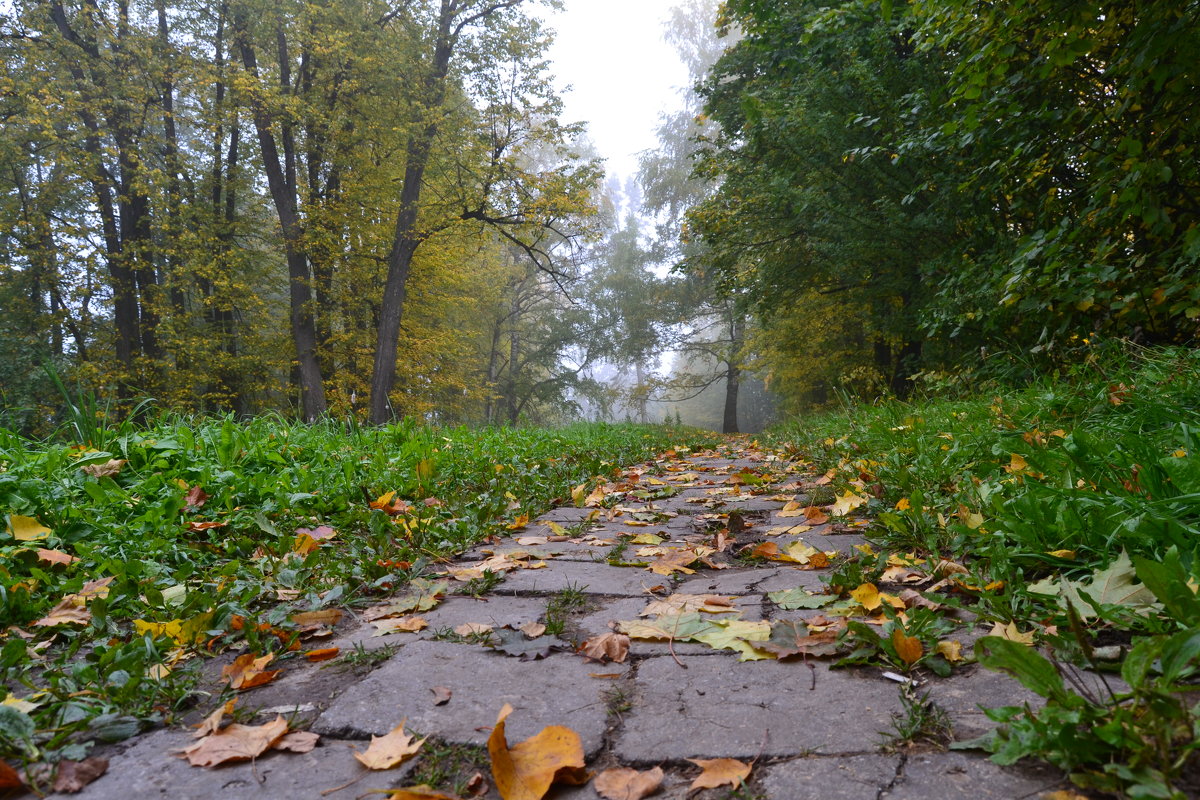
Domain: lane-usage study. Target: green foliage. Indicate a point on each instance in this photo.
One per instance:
(1072, 503)
(217, 567)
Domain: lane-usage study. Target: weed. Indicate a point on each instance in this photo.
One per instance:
(560, 606)
(478, 587)
(919, 721)
(616, 553)
(362, 658)
(448, 765)
(450, 635)
(617, 700)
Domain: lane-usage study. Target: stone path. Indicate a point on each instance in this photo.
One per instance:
(811, 731)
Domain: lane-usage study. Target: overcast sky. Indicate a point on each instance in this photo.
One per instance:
(622, 73)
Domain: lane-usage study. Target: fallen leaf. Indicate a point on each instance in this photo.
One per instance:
(311, 620)
(903, 504)
(606, 647)
(322, 654)
(792, 599)
(298, 742)
(26, 529)
(1113, 585)
(514, 643)
(71, 610)
(681, 603)
(816, 516)
(791, 638)
(646, 538)
(678, 627)
(914, 599)
(532, 629)
(236, 743)
(950, 649)
(441, 695)
(719, 772)
(247, 672)
(9, 777)
(212, 723)
(1012, 633)
(195, 498)
(867, 596)
(518, 523)
(105, 470)
(674, 561)
(526, 770)
(389, 750)
(55, 557)
(73, 776)
(846, 503)
(473, 628)
(909, 648)
(399, 625)
(622, 783)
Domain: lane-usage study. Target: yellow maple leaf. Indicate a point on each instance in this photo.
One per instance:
(867, 596)
(846, 503)
(26, 529)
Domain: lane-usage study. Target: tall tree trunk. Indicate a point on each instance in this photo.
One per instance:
(281, 181)
(407, 237)
(733, 372)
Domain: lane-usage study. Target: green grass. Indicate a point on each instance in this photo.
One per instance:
(1031, 488)
(265, 480)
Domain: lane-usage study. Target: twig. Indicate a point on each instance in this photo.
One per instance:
(344, 785)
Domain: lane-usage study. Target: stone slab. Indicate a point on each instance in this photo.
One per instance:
(830, 778)
(449, 614)
(970, 687)
(144, 768)
(715, 708)
(589, 577)
(598, 621)
(955, 775)
(551, 691)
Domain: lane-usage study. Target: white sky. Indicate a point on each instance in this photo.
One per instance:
(622, 73)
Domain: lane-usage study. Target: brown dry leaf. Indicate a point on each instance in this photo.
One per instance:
(680, 603)
(674, 561)
(9, 777)
(195, 498)
(909, 648)
(72, 776)
(532, 629)
(71, 610)
(212, 723)
(322, 654)
(399, 625)
(473, 628)
(719, 772)
(441, 695)
(526, 770)
(390, 750)
(235, 743)
(311, 620)
(298, 742)
(246, 671)
(622, 783)
(914, 599)
(902, 575)
(815, 516)
(422, 792)
(948, 568)
(105, 470)
(607, 646)
(55, 556)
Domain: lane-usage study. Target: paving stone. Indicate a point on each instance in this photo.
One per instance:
(551, 691)
(567, 515)
(718, 709)
(829, 778)
(145, 768)
(450, 613)
(590, 577)
(843, 543)
(970, 687)
(570, 551)
(955, 775)
(751, 581)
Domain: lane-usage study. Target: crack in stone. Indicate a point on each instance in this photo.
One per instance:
(883, 790)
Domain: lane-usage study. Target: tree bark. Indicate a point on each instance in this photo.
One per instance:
(733, 372)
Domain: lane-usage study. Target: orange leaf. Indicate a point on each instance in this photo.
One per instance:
(867, 596)
(323, 654)
(422, 792)
(526, 770)
(235, 743)
(9, 777)
(816, 516)
(71, 610)
(389, 750)
(246, 671)
(627, 784)
(55, 556)
(304, 544)
(719, 772)
(212, 723)
(909, 648)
